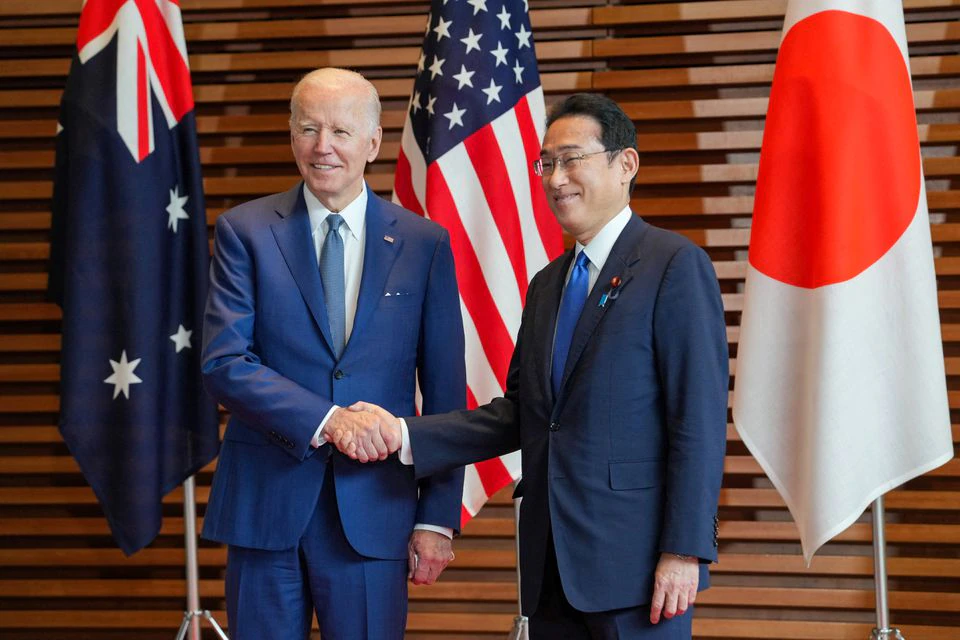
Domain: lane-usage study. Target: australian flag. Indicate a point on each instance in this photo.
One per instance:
(129, 257)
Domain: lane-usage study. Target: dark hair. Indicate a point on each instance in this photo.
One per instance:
(616, 128)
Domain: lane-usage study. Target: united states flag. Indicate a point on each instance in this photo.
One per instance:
(473, 128)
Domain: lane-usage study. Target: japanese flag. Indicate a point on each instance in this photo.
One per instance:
(840, 391)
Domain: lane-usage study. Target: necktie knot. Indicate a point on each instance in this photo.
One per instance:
(334, 220)
(582, 260)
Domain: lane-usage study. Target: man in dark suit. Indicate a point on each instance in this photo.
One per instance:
(616, 396)
(318, 297)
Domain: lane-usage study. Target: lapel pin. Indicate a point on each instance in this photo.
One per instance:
(388, 239)
(612, 292)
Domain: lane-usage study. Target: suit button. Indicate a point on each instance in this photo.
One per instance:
(338, 374)
(554, 426)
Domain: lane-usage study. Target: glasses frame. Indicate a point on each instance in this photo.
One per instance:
(559, 163)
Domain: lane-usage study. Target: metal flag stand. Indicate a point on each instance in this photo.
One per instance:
(883, 630)
(521, 625)
(193, 615)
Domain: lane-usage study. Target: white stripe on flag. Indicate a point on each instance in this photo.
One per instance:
(482, 231)
(538, 111)
(480, 376)
(507, 130)
(474, 495)
(418, 167)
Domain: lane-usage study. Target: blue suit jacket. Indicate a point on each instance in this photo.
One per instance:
(626, 461)
(267, 359)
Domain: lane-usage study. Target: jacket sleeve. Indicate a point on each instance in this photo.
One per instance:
(441, 373)
(692, 360)
(261, 398)
(441, 442)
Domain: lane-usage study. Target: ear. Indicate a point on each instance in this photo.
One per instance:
(375, 144)
(629, 164)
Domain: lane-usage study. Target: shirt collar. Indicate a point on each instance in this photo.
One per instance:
(354, 214)
(598, 250)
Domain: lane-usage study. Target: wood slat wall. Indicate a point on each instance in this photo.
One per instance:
(695, 77)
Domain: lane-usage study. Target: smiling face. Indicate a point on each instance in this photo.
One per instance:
(334, 134)
(584, 198)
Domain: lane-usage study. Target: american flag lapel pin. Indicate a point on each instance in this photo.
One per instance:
(388, 239)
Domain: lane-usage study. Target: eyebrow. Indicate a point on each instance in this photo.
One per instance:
(562, 148)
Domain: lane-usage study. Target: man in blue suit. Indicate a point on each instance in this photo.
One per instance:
(318, 297)
(616, 396)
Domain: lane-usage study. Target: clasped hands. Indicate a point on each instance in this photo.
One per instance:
(363, 432)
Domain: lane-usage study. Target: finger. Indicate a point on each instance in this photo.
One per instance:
(682, 603)
(391, 437)
(411, 562)
(376, 439)
(363, 454)
(425, 573)
(670, 602)
(656, 605)
(359, 405)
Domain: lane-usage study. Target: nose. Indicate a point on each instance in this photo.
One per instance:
(556, 179)
(322, 142)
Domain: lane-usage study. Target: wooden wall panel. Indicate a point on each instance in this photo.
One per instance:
(694, 76)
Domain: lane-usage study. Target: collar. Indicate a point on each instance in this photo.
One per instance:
(354, 214)
(598, 250)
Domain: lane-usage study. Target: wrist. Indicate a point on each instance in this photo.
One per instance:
(681, 556)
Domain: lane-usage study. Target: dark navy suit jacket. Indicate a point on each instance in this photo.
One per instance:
(267, 359)
(626, 461)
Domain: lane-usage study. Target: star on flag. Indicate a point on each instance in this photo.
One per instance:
(175, 209)
(123, 375)
(182, 339)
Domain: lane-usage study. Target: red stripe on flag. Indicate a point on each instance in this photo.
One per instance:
(169, 65)
(95, 18)
(143, 106)
(403, 185)
(493, 475)
(494, 337)
(471, 399)
(487, 159)
(547, 225)
(465, 516)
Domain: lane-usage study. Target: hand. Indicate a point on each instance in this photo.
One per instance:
(674, 586)
(362, 435)
(428, 553)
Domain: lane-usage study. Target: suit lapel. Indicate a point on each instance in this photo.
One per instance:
(545, 318)
(379, 255)
(294, 237)
(625, 252)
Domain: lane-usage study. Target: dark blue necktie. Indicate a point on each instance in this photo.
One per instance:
(571, 305)
(331, 272)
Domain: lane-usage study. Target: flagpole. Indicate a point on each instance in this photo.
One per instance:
(193, 614)
(521, 626)
(882, 631)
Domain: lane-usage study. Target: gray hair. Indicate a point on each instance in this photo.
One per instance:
(338, 79)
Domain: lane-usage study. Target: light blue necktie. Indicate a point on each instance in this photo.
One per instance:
(571, 305)
(331, 272)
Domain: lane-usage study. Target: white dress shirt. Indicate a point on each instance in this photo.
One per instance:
(354, 234)
(598, 250)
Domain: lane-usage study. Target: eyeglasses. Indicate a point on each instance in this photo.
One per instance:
(569, 161)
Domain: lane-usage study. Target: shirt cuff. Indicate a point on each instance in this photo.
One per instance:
(406, 451)
(444, 531)
(317, 441)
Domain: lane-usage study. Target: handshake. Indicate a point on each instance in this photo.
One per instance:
(363, 431)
